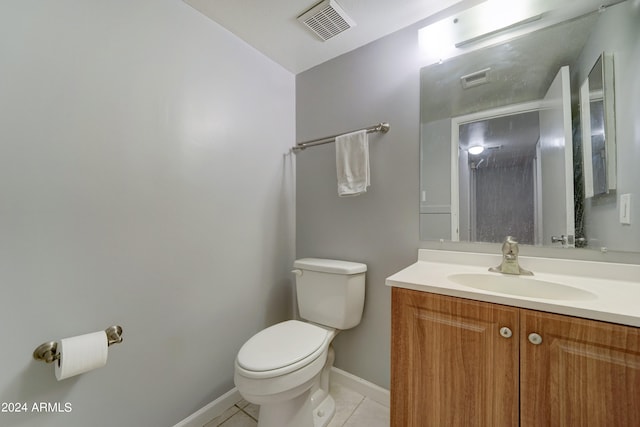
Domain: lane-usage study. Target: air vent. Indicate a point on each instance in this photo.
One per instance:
(475, 79)
(326, 19)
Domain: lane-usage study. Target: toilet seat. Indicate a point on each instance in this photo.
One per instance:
(282, 348)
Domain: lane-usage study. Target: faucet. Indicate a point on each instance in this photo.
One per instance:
(509, 263)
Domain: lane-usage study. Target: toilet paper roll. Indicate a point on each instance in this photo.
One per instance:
(81, 354)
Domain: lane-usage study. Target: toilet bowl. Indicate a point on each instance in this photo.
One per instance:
(285, 368)
(275, 373)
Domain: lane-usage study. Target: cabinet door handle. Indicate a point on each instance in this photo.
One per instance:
(506, 332)
(535, 338)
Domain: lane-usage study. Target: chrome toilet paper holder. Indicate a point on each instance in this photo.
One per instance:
(48, 351)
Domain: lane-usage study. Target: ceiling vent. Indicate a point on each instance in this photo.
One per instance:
(326, 19)
(475, 79)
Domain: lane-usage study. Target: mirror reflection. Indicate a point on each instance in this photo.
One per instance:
(598, 129)
(497, 178)
(524, 186)
(513, 101)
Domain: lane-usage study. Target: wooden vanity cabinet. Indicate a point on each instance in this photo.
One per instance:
(584, 373)
(453, 363)
(449, 365)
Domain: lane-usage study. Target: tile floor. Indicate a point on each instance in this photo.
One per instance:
(352, 410)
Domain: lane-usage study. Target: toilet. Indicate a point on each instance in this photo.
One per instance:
(285, 367)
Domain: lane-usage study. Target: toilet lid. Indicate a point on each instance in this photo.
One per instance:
(281, 345)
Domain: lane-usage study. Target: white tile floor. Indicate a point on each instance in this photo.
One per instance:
(352, 410)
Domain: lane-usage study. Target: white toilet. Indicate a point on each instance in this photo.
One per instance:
(285, 368)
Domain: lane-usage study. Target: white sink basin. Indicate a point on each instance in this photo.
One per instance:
(605, 291)
(522, 286)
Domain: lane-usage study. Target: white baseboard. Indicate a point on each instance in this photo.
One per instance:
(230, 398)
(211, 410)
(364, 387)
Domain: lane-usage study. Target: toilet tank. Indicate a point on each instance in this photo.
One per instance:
(330, 292)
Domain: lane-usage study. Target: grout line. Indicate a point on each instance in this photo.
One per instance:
(248, 414)
(243, 402)
(242, 409)
(354, 411)
(222, 421)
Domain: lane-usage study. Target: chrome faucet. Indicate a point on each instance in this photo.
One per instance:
(510, 263)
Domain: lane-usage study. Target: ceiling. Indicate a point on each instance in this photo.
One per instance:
(521, 70)
(271, 26)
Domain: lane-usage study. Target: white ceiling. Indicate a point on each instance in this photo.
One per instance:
(271, 26)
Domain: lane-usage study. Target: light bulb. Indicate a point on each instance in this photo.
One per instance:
(476, 149)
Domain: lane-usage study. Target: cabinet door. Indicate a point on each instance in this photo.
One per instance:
(584, 373)
(449, 364)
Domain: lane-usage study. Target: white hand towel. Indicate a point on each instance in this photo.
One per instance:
(352, 163)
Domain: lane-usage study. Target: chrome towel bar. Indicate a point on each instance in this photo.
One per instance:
(380, 127)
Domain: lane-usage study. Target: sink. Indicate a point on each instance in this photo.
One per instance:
(521, 286)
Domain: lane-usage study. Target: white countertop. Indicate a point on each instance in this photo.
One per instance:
(616, 286)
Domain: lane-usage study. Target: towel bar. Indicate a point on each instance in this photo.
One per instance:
(380, 127)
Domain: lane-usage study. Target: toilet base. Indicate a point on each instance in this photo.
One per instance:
(313, 408)
(288, 413)
(324, 412)
(324, 407)
(299, 412)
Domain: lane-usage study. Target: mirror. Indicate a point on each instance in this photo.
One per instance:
(496, 95)
(598, 128)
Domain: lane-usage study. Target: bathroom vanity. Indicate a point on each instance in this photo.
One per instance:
(468, 356)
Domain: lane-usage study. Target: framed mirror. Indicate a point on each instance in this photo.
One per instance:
(477, 92)
(597, 116)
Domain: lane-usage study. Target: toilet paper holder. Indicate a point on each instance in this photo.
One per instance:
(48, 352)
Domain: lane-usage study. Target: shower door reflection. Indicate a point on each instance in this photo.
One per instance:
(498, 194)
(513, 172)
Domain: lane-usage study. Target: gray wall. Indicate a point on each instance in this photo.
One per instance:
(378, 82)
(617, 32)
(143, 182)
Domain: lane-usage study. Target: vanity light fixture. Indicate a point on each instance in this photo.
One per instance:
(476, 149)
(497, 31)
(491, 21)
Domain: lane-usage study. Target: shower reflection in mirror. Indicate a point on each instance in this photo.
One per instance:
(497, 178)
(522, 181)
